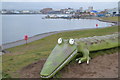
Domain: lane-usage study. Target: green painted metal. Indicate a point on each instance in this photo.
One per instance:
(67, 49)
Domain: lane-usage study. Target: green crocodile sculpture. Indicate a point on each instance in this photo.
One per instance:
(68, 49)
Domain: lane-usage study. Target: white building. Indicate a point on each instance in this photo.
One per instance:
(113, 11)
(80, 9)
(25, 11)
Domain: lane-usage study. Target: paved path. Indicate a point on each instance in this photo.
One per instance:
(31, 39)
(0, 53)
(117, 23)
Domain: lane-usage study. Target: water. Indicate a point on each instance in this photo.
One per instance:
(16, 26)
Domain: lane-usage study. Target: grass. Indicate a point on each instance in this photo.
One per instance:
(111, 18)
(103, 52)
(24, 55)
(0, 67)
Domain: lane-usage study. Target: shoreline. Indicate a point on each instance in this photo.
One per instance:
(115, 22)
(34, 38)
(43, 35)
(109, 21)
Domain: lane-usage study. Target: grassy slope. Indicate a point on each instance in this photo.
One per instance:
(111, 18)
(23, 55)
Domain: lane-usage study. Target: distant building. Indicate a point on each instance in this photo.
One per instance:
(36, 12)
(4, 11)
(119, 7)
(67, 11)
(113, 11)
(93, 12)
(16, 12)
(64, 10)
(70, 11)
(46, 10)
(25, 11)
(103, 13)
(90, 8)
(57, 11)
(80, 9)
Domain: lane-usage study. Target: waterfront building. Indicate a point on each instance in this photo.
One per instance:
(46, 10)
(67, 11)
(16, 12)
(57, 11)
(103, 13)
(113, 11)
(25, 11)
(93, 12)
(4, 11)
(79, 10)
(90, 9)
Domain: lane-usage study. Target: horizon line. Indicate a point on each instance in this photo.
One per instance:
(59, 1)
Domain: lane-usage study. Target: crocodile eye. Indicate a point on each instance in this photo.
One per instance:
(60, 40)
(71, 41)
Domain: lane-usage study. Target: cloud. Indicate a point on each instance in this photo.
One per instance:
(60, 0)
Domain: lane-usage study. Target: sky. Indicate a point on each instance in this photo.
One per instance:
(60, 0)
(37, 4)
(58, 5)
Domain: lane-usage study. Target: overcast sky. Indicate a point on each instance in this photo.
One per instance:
(60, 0)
